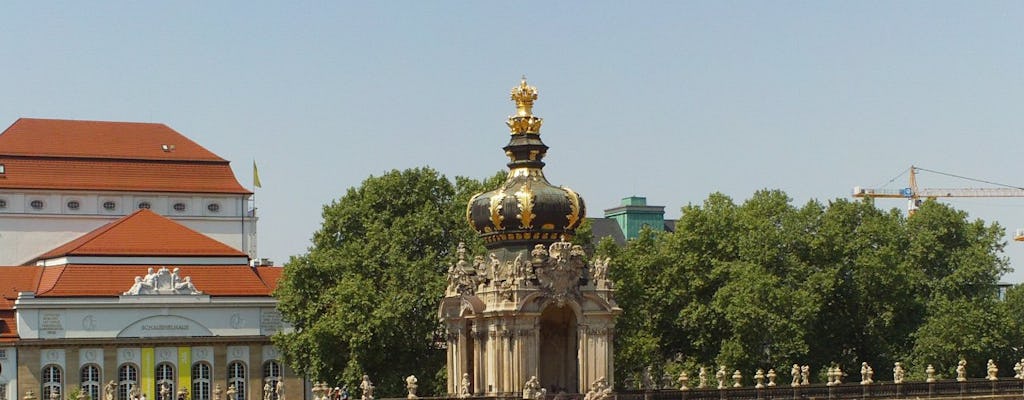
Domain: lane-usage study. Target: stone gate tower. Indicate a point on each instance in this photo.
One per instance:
(531, 306)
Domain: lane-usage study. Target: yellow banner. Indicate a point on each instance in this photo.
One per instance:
(185, 370)
(147, 369)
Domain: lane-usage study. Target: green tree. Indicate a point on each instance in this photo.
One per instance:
(765, 284)
(364, 298)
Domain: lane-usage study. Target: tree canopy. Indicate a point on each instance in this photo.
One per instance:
(759, 284)
(364, 298)
(766, 284)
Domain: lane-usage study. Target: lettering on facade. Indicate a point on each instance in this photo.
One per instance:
(270, 322)
(165, 327)
(50, 323)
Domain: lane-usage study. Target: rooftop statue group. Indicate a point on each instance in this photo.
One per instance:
(163, 281)
(558, 269)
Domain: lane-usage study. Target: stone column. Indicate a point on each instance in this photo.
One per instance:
(584, 366)
(479, 364)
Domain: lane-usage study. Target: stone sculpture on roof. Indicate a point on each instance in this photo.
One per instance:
(163, 281)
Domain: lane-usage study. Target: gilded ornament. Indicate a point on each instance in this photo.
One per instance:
(469, 210)
(525, 198)
(574, 204)
(524, 121)
(524, 95)
(495, 208)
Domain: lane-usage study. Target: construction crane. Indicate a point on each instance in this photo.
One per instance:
(916, 195)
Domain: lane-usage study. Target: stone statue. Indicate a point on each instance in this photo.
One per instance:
(961, 371)
(54, 394)
(599, 390)
(831, 375)
(1017, 369)
(165, 392)
(481, 269)
(666, 381)
(771, 377)
(182, 393)
(796, 375)
(702, 378)
(464, 387)
(929, 374)
(647, 379)
(720, 376)
(367, 388)
(683, 380)
(601, 269)
(232, 392)
(866, 374)
(993, 371)
(410, 385)
(108, 390)
(494, 268)
(839, 375)
(759, 379)
(532, 389)
(737, 378)
(805, 375)
(217, 392)
(30, 395)
(279, 389)
(898, 373)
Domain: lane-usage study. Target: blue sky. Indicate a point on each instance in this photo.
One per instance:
(669, 100)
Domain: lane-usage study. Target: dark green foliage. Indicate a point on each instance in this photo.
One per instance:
(765, 284)
(364, 298)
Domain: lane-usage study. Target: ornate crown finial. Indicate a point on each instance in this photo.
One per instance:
(524, 121)
(524, 95)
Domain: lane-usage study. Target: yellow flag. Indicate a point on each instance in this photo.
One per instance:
(255, 176)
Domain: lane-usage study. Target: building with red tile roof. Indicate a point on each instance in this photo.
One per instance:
(84, 174)
(125, 255)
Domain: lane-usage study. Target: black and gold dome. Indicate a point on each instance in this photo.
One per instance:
(526, 209)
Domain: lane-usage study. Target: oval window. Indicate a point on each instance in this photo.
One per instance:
(213, 207)
(144, 204)
(109, 205)
(37, 204)
(74, 205)
(179, 207)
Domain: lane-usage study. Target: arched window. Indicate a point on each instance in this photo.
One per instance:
(127, 379)
(201, 381)
(236, 377)
(52, 379)
(91, 381)
(164, 378)
(271, 377)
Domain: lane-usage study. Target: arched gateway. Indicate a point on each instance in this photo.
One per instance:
(531, 305)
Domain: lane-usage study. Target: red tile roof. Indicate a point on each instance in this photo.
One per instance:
(113, 280)
(143, 234)
(270, 275)
(99, 139)
(114, 156)
(8, 326)
(118, 175)
(14, 280)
